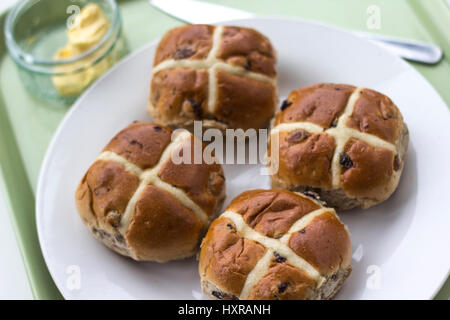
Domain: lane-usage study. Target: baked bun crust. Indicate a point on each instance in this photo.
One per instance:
(139, 203)
(344, 143)
(222, 75)
(275, 244)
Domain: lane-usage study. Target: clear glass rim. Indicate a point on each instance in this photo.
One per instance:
(28, 61)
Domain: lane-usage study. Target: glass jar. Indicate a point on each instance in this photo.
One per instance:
(36, 29)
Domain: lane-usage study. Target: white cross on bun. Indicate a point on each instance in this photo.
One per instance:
(141, 204)
(345, 144)
(222, 75)
(275, 244)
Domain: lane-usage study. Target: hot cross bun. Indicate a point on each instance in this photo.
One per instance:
(275, 244)
(138, 202)
(222, 75)
(345, 144)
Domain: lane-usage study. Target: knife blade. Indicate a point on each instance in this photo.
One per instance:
(198, 12)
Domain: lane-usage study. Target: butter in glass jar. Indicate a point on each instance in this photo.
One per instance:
(61, 47)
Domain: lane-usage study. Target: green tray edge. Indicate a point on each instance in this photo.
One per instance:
(20, 204)
(435, 16)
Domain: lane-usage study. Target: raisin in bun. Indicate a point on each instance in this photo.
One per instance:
(222, 75)
(275, 244)
(141, 204)
(344, 143)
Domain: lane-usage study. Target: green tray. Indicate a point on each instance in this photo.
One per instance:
(27, 124)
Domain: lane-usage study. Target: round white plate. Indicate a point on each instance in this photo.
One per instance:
(401, 247)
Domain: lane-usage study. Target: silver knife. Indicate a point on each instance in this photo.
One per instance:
(197, 12)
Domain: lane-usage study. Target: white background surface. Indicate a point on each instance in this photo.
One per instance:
(13, 280)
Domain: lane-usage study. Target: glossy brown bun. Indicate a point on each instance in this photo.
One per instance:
(224, 76)
(344, 143)
(275, 244)
(139, 203)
